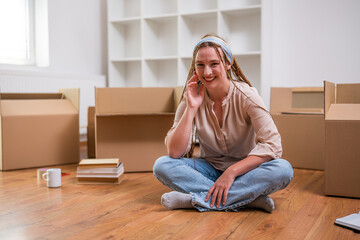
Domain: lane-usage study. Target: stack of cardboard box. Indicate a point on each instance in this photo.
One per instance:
(299, 116)
(39, 129)
(131, 124)
(320, 129)
(342, 139)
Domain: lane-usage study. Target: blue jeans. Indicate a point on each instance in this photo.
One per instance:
(196, 176)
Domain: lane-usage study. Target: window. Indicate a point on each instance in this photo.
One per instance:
(23, 24)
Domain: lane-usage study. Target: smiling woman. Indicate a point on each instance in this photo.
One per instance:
(210, 68)
(240, 147)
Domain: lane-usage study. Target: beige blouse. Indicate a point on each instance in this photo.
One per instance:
(247, 129)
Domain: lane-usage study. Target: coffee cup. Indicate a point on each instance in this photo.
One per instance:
(52, 176)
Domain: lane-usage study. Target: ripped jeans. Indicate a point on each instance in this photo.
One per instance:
(196, 177)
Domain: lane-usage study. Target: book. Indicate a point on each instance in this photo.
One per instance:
(117, 169)
(99, 174)
(351, 221)
(100, 171)
(99, 163)
(92, 180)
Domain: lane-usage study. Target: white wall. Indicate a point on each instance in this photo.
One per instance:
(315, 40)
(78, 39)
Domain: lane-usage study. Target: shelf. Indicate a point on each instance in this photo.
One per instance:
(118, 9)
(125, 74)
(158, 17)
(235, 4)
(162, 58)
(160, 37)
(124, 39)
(190, 6)
(134, 59)
(184, 66)
(151, 42)
(250, 53)
(159, 7)
(243, 11)
(251, 65)
(125, 20)
(199, 14)
(238, 27)
(160, 73)
(193, 28)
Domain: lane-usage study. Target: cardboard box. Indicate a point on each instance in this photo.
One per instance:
(342, 139)
(91, 133)
(39, 129)
(131, 124)
(298, 115)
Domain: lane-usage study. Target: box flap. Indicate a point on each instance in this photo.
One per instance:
(308, 97)
(311, 111)
(36, 107)
(329, 97)
(348, 93)
(13, 96)
(280, 100)
(73, 94)
(343, 112)
(308, 89)
(134, 100)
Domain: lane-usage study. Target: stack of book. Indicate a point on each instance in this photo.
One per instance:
(100, 171)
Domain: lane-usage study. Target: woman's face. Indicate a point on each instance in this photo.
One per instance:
(209, 68)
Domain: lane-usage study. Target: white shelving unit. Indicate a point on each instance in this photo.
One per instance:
(150, 42)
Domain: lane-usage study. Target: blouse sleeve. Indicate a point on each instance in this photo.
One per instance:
(179, 112)
(268, 140)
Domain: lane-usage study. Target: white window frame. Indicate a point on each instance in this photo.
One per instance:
(38, 36)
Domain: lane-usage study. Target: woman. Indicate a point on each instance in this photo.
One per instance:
(240, 147)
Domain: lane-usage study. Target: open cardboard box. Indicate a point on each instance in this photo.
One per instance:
(342, 139)
(39, 129)
(299, 116)
(131, 124)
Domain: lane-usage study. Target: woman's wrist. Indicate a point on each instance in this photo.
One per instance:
(191, 110)
(231, 172)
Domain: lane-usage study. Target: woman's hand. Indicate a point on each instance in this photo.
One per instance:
(220, 189)
(195, 94)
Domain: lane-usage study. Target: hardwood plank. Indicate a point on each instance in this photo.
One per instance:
(336, 207)
(288, 203)
(305, 219)
(132, 210)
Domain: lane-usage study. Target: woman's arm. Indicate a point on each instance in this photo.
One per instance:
(178, 139)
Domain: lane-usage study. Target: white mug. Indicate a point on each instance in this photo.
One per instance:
(52, 177)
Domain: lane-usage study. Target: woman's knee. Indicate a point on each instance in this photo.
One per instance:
(285, 171)
(161, 165)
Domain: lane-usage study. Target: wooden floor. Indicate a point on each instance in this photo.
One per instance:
(132, 210)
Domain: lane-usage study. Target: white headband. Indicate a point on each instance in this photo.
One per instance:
(219, 42)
